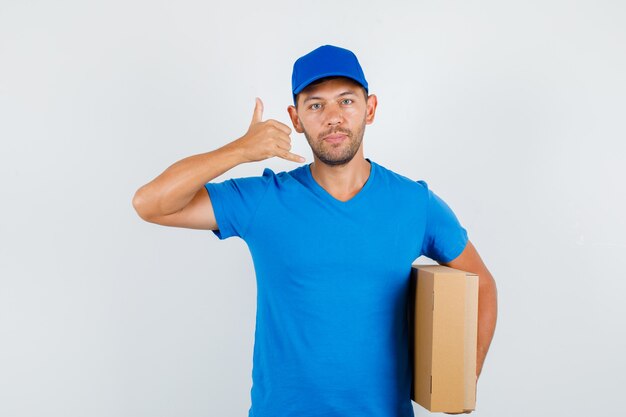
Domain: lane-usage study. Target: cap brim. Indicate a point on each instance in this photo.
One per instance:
(304, 84)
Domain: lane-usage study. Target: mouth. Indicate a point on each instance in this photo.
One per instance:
(335, 137)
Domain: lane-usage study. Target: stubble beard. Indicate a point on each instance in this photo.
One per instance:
(339, 153)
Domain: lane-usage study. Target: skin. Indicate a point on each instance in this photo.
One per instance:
(177, 196)
(336, 106)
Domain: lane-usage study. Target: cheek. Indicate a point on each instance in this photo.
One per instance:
(356, 112)
(311, 122)
(308, 126)
(306, 122)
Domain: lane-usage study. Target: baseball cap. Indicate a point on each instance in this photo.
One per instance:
(325, 61)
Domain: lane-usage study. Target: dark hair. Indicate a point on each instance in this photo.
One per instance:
(321, 80)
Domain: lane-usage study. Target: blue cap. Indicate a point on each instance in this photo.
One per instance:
(325, 61)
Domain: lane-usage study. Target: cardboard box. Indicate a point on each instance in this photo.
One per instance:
(443, 323)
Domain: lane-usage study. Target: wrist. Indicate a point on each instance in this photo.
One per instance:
(235, 152)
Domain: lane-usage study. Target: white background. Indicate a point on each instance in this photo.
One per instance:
(513, 112)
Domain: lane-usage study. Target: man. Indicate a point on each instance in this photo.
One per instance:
(332, 244)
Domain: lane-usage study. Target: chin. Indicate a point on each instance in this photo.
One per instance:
(335, 161)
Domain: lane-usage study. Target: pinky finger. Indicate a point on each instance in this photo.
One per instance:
(291, 156)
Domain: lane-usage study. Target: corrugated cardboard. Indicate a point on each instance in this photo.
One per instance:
(443, 323)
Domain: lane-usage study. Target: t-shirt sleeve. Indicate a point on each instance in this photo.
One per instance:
(444, 237)
(235, 202)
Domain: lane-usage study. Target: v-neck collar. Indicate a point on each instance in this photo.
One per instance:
(326, 195)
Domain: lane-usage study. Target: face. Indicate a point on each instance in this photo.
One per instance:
(332, 115)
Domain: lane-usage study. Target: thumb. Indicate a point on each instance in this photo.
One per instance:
(257, 116)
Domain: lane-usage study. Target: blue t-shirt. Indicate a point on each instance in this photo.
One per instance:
(331, 337)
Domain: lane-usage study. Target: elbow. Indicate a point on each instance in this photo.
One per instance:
(487, 283)
(488, 292)
(139, 204)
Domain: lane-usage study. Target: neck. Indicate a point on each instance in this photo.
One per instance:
(342, 181)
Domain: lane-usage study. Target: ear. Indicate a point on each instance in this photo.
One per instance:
(372, 102)
(293, 115)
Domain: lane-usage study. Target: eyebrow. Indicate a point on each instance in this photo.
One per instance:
(345, 93)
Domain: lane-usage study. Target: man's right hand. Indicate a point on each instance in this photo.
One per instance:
(265, 139)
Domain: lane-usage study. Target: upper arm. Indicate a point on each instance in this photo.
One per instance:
(470, 261)
(198, 214)
(468, 258)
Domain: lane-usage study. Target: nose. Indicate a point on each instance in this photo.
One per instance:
(334, 115)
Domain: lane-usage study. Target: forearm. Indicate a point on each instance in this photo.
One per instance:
(487, 316)
(173, 189)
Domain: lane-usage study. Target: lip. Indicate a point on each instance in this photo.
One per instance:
(335, 137)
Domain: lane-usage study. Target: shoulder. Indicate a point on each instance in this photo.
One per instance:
(287, 179)
(268, 179)
(398, 180)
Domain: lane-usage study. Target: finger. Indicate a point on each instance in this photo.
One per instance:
(283, 143)
(283, 139)
(281, 147)
(281, 126)
(290, 156)
(257, 115)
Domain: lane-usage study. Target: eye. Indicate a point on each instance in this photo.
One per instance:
(315, 106)
(346, 101)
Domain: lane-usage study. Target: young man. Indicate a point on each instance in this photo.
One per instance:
(332, 244)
